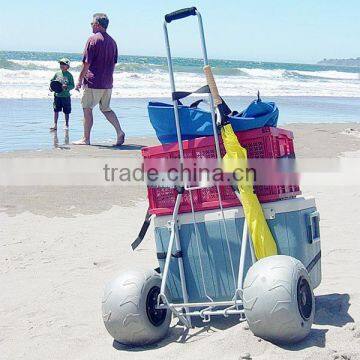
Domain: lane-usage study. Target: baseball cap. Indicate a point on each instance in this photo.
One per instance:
(65, 61)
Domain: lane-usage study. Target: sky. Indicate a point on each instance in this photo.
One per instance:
(303, 31)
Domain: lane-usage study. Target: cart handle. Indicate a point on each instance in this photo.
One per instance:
(180, 14)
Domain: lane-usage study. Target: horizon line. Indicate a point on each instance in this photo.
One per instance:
(174, 57)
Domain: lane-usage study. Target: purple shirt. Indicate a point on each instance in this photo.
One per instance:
(101, 53)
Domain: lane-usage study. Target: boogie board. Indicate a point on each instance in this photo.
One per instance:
(56, 86)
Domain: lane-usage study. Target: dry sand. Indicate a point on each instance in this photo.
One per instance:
(59, 245)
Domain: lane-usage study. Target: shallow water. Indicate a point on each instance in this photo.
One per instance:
(24, 124)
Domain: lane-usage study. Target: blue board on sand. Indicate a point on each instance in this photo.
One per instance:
(294, 224)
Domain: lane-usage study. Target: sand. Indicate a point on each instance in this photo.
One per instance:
(60, 244)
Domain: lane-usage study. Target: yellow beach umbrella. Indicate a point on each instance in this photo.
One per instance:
(236, 158)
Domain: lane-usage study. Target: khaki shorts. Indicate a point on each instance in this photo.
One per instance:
(93, 97)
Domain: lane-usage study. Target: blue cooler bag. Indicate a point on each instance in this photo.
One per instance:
(196, 122)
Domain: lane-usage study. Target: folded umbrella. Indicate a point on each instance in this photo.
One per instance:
(235, 159)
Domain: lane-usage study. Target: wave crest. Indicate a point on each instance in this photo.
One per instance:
(28, 77)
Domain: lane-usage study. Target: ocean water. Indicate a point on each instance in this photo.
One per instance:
(303, 93)
(25, 75)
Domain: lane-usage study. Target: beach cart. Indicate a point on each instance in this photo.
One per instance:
(207, 263)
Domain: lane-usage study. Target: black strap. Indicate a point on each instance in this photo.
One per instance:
(178, 254)
(313, 262)
(196, 103)
(143, 231)
(162, 255)
(224, 108)
(177, 95)
(180, 189)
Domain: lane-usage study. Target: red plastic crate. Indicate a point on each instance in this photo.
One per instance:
(263, 143)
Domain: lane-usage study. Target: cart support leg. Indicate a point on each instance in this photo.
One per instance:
(182, 272)
(244, 242)
(174, 237)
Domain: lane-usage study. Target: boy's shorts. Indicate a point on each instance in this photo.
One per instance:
(93, 97)
(62, 104)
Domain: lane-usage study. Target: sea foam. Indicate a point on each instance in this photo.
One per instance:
(144, 77)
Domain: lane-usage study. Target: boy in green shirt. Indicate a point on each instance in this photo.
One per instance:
(62, 100)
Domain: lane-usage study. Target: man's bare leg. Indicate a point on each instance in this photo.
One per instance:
(88, 123)
(67, 116)
(113, 120)
(56, 117)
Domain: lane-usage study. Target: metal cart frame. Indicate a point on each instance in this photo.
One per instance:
(186, 310)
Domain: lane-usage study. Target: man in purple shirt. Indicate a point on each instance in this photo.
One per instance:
(96, 76)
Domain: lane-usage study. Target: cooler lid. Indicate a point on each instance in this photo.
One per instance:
(270, 211)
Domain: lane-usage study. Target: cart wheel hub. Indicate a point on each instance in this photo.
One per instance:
(156, 316)
(304, 298)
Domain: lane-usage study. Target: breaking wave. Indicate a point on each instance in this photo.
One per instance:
(26, 75)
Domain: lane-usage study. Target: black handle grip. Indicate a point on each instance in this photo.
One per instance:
(180, 14)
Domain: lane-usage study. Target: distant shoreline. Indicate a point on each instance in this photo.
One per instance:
(354, 62)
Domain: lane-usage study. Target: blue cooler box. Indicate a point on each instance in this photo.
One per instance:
(294, 224)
